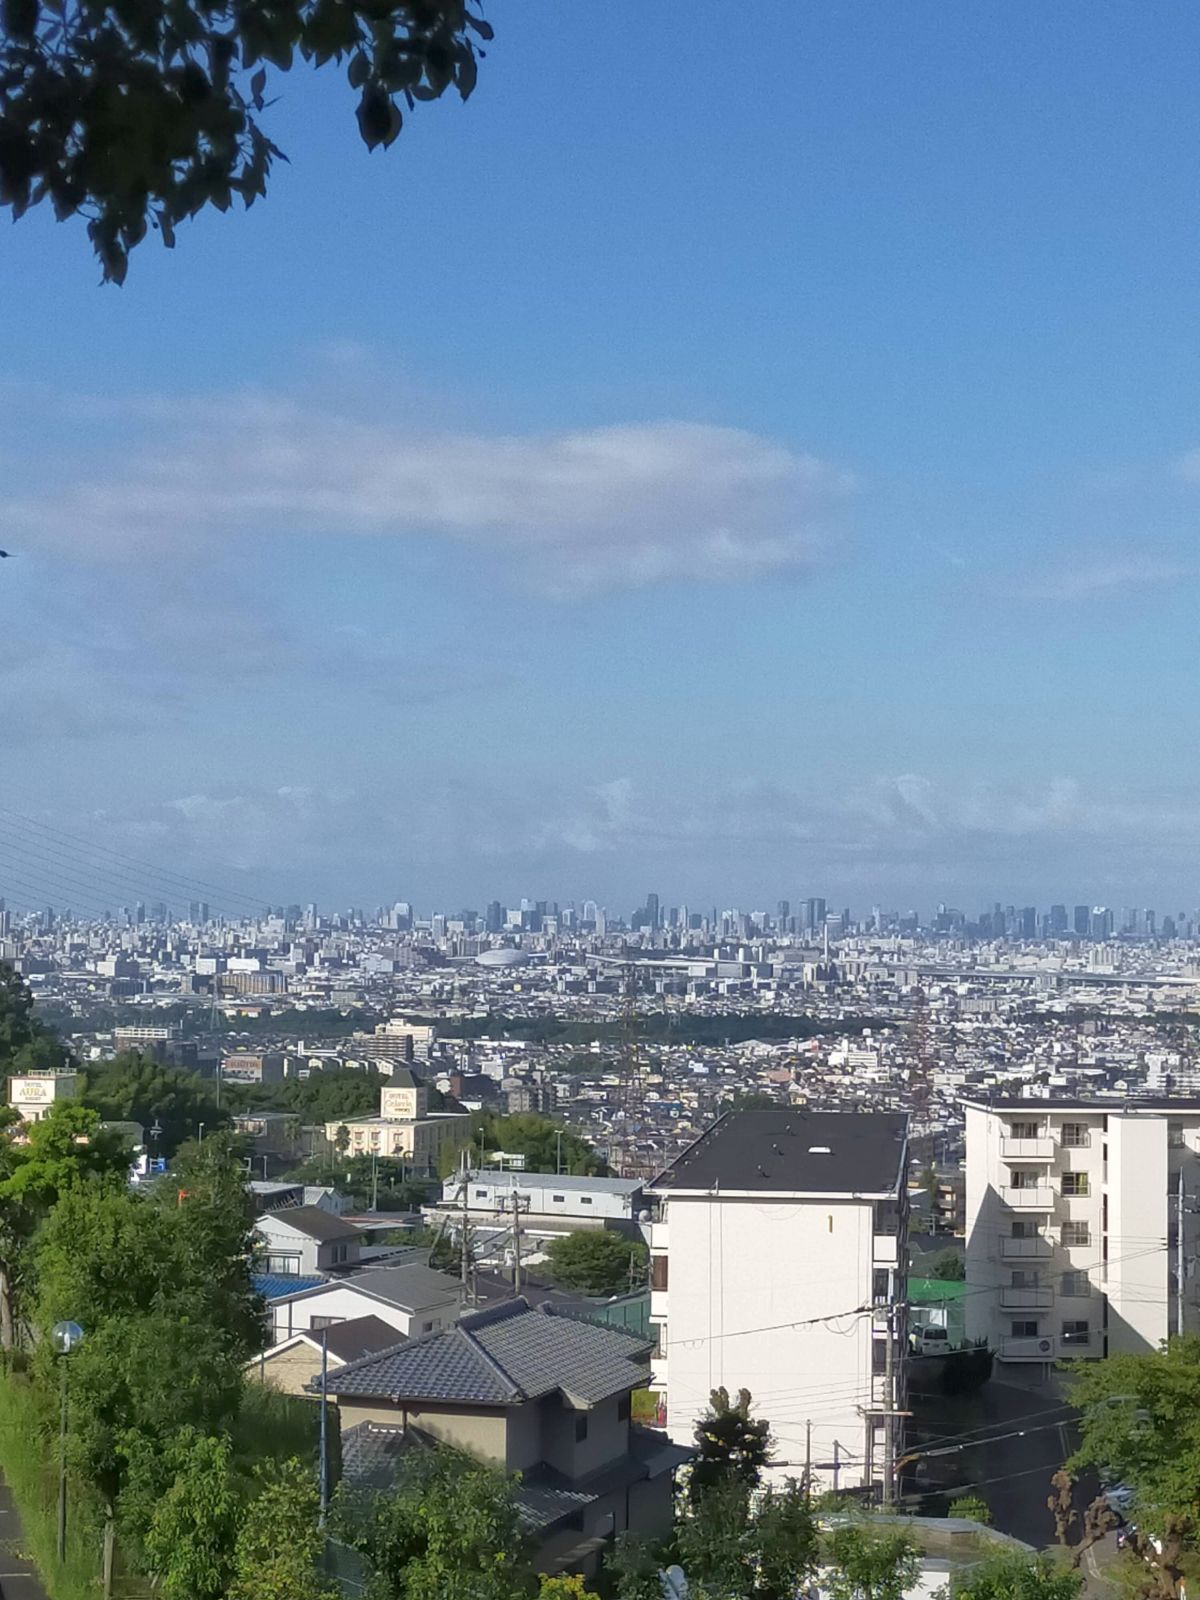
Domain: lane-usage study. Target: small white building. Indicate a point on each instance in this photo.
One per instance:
(405, 1128)
(1078, 1216)
(551, 1204)
(413, 1298)
(777, 1265)
(32, 1094)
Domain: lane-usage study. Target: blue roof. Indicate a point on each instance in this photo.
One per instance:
(278, 1285)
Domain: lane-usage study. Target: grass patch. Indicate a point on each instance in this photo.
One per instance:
(274, 1426)
(28, 1445)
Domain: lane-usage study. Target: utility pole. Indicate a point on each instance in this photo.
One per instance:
(324, 1486)
(464, 1239)
(889, 1388)
(808, 1461)
(374, 1181)
(1179, 1255)
(516, 1204)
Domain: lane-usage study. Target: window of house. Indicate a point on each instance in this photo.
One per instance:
(481, 1194)
(1076, 1283)
(623, 1408)
(558, 1199)
(1075, 1135)
(288, 1266)
(427, 1327)
(659, 1330)
(1075, 1331)
(1023, 1130)
(325, 1322)
(585, 1199)
(1025, 1328)
(1075, 1183)
(658, 1272)
(581, 1427)
(1075, 1234)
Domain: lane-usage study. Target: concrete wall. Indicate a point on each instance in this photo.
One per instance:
(1138, 1224)
(607, 1437)
(483, 1434)
(741, 1271)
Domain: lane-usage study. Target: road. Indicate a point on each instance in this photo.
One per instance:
(18, 1580)
(1004, 1444)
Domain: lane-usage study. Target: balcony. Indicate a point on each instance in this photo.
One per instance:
(1040, 1198)
(1040, 1150)
(1039, 1349)
(1036, 1249)
(1031, 1297)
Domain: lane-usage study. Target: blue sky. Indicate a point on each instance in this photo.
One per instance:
(740, 465)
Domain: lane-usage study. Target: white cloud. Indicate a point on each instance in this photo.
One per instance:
(579, 511)
(1106, 577)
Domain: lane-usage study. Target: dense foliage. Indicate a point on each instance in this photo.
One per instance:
(141, 114)
(547, 1145)
(1140, 1424)
(597, 1262)
(136, 1088)
(731, 1445)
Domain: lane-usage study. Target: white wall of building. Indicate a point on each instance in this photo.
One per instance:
(740, 1274)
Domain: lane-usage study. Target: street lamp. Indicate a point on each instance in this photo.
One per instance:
(65, 1336)
(201, 1139)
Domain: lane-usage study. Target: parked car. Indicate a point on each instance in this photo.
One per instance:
(928, 1340)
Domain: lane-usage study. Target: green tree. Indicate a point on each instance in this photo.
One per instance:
(867, 1564)
(1140, 1422)
(278, 1554)
(1017, 1577)
(193, 1528)
(138, 119)
(161, 1283)
(745, 1546)
(26, 1044)
(38, 1165)
(973, 1507)
(447, 1530)
(731, 1445)
(136, 1088)
(328, 1095)
(597, 1262)
(949, 1267)
(633, 1569)
(547, 1145)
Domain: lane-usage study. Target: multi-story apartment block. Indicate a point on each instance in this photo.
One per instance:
(1082, 1222)
(778, 1250)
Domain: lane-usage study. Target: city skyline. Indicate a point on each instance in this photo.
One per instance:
(590, 490)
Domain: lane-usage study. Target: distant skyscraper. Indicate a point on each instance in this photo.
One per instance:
(1058, 919)
(652, 909)
(1101, 923)
(494, 920)
(814, 912)
(1083, 920)
(782, 912)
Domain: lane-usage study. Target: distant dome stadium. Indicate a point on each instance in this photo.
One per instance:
(501, 958)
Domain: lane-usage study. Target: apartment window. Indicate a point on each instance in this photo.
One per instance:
(879, 1356)
(1075, 1332)
(1075, 1135)
(623, 1408)
(1075, 1183)
(880, 1286)
(559, 1199)
(585, 1199)
(1025, 1328)
(1023, 1130)
(1075, 1234)
(1025, 1280)
(1023, 1228)
(581, 1422)
(1018, 1178)
(659, 1330)
(658, 1272)
(1076, 1284)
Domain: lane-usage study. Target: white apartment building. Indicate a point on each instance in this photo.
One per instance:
(778, 1251)
(1073, 1219)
